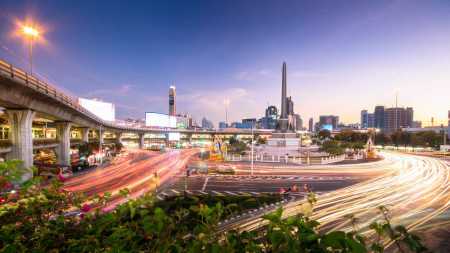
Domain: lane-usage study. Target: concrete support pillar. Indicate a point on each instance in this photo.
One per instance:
(85, 134)
(63, 137)
(119, 137)
(141, 141)
(21, 138)
(101, 132)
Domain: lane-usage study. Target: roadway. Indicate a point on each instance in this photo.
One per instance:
(134, 171)
(415, 189)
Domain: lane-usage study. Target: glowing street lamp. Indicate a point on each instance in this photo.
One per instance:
(31, 33)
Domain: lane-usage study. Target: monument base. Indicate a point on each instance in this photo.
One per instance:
(282, 144)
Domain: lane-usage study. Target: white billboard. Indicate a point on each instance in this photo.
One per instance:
(105, 111)
(174, 136)
(153, 119)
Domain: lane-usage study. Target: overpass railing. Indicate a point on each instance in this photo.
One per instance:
(43, 87)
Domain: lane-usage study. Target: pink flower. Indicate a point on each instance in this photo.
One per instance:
(61, 178)
(85, 208)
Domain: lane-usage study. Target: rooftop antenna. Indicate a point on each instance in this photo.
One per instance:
(396, 99)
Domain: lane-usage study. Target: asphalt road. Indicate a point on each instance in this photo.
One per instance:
(416, 191)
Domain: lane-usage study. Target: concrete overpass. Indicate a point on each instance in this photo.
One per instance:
(26, 98)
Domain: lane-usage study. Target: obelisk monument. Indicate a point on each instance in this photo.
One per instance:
(283, 120)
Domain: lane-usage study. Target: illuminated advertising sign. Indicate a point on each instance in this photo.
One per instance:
(174, 136)
(103, 110)
(328, 127)
(153, 119)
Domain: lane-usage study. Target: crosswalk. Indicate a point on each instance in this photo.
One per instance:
(173, 192)
(291, 178)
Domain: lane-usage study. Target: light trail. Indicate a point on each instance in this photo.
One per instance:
(414, 189)
(136, 172)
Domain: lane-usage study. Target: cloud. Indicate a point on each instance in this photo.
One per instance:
(111, 92)
(254, 75)
(306, 74)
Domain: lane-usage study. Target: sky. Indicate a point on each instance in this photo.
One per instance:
(342, 56)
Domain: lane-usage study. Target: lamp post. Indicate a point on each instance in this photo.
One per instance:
(31, 33)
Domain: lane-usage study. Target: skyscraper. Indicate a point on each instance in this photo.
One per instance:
(328, 121)
(448, 126)
(311, 125)
(370, 120)
(379, 117)
(298, 122)
(364, 119)
(397, 117)
(172, 105)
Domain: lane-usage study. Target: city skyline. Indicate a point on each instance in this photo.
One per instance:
(362, 57)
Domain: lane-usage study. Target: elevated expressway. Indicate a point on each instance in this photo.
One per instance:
(25, 98)
(415, 190)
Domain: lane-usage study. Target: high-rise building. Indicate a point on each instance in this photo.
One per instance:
(249, 123)
(379, 117)
(207, 124)
(172, 105)
(364, 119)
(223, 125)
(311, 125)
(298, 122)
(448, 126)
(409, 116)
(329, 122)
(270, 120)
(370, 120)
(272, 112)
(397, 117)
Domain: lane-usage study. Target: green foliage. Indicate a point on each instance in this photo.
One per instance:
(35, 220)
(332, 147)
(236, 145)
(324, 134)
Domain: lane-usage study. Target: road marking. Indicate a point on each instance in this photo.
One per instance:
(159, 197)
(217, 193)
(204, 184)
(231, 193)
(202, 192)
(175, 191)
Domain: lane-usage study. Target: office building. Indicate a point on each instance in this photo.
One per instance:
(311, 125)
(270, 120)
(448, 126)
(172, 105)
(223, 125)
(364, 119)
(329, 122)
(370, 120)
(397, 117)
(298, 122)
(249, 123)
(379, 117)
(207, 124)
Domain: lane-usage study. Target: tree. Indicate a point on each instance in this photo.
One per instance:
(332, 147)
(324, 134)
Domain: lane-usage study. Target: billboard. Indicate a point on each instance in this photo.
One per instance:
(153, 119)
(328, 127)
(105, 111)
(174, 136)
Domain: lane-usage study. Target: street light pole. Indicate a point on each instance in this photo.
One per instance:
(30, 55)
(31, 33)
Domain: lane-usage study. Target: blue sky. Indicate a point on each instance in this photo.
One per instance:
(342, 56)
